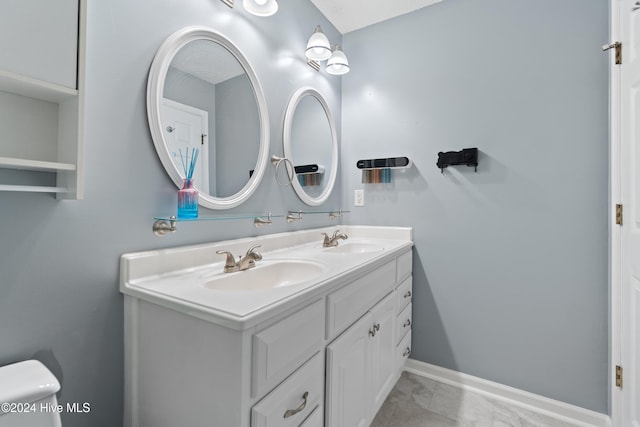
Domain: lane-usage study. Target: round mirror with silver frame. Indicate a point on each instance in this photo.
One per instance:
(311, 144)
(232, 137)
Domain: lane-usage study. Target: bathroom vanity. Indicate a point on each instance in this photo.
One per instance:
(311, 336)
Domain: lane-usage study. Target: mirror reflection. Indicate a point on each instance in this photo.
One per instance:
(208, 102)
(311, 145)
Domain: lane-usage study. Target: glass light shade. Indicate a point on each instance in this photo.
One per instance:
(318, 47)
(260, 7)
(338, 63)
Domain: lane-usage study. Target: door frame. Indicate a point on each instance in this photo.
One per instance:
(615, 239)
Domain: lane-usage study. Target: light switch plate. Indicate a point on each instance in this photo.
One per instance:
(358, 198)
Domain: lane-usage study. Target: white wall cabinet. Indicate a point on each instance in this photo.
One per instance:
(39, 39)
(329, 361)
(42, 96)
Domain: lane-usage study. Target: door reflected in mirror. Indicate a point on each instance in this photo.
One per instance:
(310, 142)
(203, 94)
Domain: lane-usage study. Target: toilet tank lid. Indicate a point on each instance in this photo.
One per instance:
(26, 382)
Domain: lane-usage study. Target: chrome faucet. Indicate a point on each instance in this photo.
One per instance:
(244, 262)
(249, 259)
(333, 240)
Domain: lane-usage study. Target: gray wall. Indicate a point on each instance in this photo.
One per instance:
(510, 263)
(237, 134)
(59, 261)
(190, 90)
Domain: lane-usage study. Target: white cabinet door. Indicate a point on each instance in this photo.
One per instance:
(361, 367)
(383, 343)
(348, 366)
(39, 39)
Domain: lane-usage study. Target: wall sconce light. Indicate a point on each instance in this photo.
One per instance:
(337, 63)
(319, 49)
(260, 7)
(257, 7)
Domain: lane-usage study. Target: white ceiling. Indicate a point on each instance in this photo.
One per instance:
(350, 15)
(208, 61)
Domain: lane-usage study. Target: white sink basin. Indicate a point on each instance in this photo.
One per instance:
(354, 248)
(266, 275)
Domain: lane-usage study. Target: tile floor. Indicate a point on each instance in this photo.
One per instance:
(416, 401)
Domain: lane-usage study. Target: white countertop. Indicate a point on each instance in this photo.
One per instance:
(179, 277)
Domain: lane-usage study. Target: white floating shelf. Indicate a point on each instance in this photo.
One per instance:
(33, 189)
(34, 88)
(35, 165)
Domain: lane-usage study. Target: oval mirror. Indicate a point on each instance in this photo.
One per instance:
(203, 94)
(311, 143)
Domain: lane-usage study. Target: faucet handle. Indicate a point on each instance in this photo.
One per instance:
(231, 261)
(326, 237)
(256, 255)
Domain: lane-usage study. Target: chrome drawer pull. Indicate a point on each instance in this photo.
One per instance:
(406, 352)
(408, 294)
(291, 412)
(407, 323)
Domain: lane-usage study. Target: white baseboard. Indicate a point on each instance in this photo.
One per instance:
(553, 408)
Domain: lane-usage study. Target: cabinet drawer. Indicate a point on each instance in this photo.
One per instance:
(403, 324)
(404, 293)
(346, 305)
(316, 419)
(279, 349)
(292, 401)
(405, 262)
(403, 351)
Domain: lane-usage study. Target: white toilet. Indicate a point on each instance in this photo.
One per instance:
(28, 396)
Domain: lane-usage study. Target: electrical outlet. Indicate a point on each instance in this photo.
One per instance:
(358, 198)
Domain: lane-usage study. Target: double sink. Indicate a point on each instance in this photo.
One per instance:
(294, 265)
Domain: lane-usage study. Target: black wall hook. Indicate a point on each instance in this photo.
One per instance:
(467, 156)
